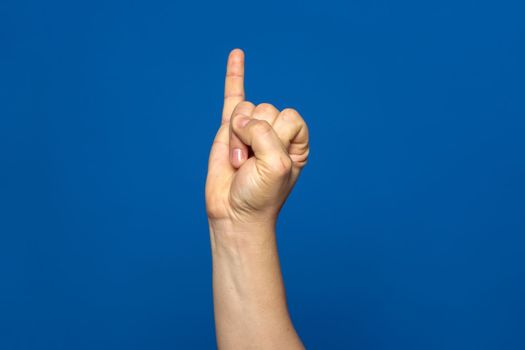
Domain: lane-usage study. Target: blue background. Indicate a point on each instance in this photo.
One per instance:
(406, 230)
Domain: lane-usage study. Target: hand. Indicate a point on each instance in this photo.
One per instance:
(256, 156)
(255, 160)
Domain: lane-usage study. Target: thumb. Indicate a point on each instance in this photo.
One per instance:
(265, 143)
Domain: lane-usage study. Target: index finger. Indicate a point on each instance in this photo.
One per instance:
(233, 84)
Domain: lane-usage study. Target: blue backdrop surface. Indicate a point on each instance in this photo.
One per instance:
(406, 230)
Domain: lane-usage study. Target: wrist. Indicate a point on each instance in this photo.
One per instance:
(225, 233)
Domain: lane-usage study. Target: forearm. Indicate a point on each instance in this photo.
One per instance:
(249, 297)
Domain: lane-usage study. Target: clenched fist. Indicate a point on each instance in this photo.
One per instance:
(256, 156)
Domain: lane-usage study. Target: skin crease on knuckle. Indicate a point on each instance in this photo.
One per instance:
(278, 166)
(299, 151)
(284, 166)
(260, 128)
(292, 117)
(300, 160)
(237, 119)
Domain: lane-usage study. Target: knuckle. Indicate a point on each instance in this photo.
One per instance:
(264, 108)
(213, 209)
(281, 165)
(237, 118)
(234, 117)
(244, 104)
(300, 159)
(261, 127)
(242, 107)
(291, 115)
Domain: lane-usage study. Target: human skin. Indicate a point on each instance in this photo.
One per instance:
(255, 160)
